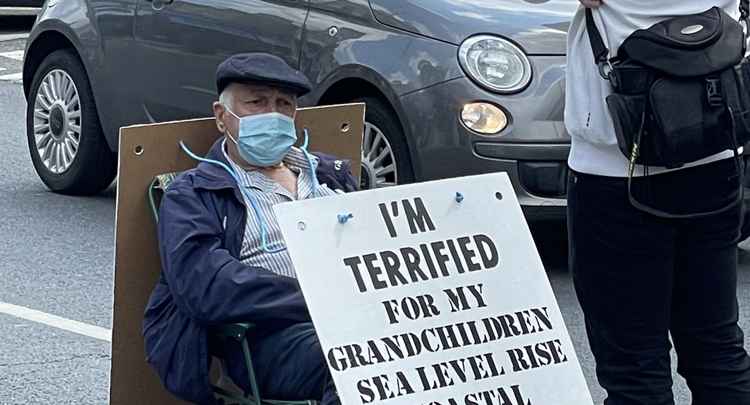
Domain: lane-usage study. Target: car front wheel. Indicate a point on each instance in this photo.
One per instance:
(385, 158)
(65, 139)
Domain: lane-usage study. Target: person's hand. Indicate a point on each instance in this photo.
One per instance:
(591, 3)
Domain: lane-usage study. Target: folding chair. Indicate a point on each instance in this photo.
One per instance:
(223, 334)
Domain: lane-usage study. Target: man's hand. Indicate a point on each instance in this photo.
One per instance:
(591, 3)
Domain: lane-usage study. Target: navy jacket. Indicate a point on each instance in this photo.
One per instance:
(203, 284)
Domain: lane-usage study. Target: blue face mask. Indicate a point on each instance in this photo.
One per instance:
(264, 139)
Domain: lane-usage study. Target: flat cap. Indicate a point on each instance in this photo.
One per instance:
(261, 68)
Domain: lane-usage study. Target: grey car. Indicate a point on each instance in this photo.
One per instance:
(452, 87)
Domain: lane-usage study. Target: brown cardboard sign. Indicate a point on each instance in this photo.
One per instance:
(148, 150)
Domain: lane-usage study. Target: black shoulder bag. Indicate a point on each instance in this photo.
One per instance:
(679, 93)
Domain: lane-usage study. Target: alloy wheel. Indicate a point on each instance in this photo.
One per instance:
(378, 160)
(57, 121)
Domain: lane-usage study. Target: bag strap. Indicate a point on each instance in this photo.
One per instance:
(702, 214)
(595, 37)
(600, 50)
(663, 214)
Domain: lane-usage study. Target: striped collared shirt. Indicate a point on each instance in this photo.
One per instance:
(268, 193)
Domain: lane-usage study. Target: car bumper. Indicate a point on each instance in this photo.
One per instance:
(533, 149)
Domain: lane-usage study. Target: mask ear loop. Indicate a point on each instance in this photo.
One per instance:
(313, 176)
(253, 203)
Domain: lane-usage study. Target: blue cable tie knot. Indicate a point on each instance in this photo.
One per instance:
(344, 218)
(459, 198)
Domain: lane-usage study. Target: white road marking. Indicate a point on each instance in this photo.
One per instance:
(33, 315)
(13, 77)
(13, 37)
(15, 55)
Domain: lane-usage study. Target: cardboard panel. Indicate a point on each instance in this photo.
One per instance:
(336, 131)
(148, 150)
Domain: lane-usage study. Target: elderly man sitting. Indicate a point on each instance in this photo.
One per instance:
(222, 251)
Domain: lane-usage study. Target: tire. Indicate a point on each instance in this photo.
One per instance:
(380, 117)
(62, 122)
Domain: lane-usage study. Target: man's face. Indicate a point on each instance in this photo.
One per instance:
(251, 99)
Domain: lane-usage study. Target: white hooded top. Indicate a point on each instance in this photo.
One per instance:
(594, 147)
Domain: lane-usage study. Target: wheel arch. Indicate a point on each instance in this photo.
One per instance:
(43, 44)
(51, 38)
(348, 85)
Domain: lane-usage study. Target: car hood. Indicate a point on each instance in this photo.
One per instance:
(539, 26)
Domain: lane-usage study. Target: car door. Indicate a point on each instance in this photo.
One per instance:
(179, 44)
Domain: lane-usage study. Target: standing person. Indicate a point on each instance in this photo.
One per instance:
(640, 277)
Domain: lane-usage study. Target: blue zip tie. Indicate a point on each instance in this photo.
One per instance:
(459, 198)
(314, 177)
(256, 210)
(344, 218)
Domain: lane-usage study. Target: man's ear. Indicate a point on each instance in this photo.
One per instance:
(219, 112)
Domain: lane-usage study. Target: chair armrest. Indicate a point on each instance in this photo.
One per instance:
(236, 331)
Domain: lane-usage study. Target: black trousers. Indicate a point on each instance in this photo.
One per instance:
(289, 365)
(640, 278)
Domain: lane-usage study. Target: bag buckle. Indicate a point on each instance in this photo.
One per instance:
(605, 69)
(713, 91)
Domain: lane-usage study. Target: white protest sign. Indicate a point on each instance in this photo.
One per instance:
(421, 299)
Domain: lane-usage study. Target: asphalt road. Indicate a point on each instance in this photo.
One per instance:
(57, 257)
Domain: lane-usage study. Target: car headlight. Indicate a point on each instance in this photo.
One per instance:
(495, 63)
